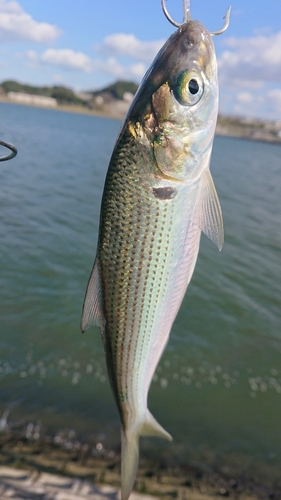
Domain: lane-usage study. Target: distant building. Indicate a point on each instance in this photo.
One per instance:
(128, 97)
(36, 100)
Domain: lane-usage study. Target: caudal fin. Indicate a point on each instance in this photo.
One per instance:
(130, 451)
(129, 462)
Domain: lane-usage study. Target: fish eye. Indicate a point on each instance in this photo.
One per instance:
(193, 86)
(188, 88)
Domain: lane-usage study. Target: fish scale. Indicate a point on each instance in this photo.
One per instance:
(134, 274)
(158, 197)
(136, 271)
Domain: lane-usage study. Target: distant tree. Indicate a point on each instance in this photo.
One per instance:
(118, 89)
(13, 86)
(65, 95)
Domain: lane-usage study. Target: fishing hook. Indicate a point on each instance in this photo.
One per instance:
(186, 13)
(12, 148)
(186, 17)
(226, 23)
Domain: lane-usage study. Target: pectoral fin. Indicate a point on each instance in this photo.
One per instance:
(208, 213)
(92, 313)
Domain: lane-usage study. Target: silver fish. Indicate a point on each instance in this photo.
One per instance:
(158, 197)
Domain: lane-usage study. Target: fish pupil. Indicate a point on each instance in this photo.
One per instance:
(193, 86)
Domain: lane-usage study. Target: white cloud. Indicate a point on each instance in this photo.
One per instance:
(265, 30)
(138, 70)
(16, 24)
(67, 59)
(251, 106)
(265, 104)
(274, 100)
(113, 68)
(32, 56)
(251, 62)
(122, 44)
(245, 97)
(58, 78)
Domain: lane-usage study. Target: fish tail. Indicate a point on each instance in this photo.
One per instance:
(130, 451)
(129, 461)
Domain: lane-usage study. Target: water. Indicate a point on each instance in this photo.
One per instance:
(218, 387)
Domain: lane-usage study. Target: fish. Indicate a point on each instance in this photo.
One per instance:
(158, 197)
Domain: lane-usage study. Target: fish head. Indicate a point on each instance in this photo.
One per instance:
(175, 110)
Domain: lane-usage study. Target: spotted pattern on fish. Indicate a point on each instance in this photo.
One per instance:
(133, 272)
(158, 197)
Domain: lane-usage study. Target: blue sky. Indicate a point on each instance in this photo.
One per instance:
(87, 44)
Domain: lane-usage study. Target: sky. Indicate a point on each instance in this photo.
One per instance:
(88, 44)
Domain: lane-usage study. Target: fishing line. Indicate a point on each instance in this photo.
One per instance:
(12, 148)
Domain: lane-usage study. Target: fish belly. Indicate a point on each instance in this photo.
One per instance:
(147, 253)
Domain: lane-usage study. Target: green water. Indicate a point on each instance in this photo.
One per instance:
(218, 387)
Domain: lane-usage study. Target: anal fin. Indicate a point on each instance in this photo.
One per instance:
(150, 427)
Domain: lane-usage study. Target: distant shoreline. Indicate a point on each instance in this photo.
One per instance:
(227, 126)
(68, 109)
